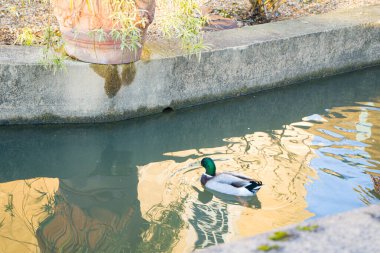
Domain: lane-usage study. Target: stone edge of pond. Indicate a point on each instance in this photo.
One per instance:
(241, 61)
(353, 231)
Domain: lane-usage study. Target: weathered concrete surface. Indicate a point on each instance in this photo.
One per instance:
(241, 61)
(356, 231)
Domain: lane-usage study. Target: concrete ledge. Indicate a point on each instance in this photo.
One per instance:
(242, 61)
(355, 231)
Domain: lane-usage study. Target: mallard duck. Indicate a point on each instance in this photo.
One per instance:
(227, 182)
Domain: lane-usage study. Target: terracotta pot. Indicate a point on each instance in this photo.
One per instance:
(77, 23)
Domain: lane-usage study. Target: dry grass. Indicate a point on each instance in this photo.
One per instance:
(14, 17)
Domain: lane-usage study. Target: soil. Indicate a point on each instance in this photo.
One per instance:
(16, 15)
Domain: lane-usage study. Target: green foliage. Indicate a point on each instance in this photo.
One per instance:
(126, 26)
(54, 62)
(98, 34)
(310, 228)
(266, 247)
(185, 21)
(280, 236)
(26, 37)
(53, 54)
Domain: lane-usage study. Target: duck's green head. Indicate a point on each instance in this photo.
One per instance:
(209, 165)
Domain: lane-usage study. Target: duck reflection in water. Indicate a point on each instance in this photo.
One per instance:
(211, 222)
(207, 196)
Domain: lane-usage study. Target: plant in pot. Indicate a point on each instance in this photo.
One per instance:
(113, 31)
(104, 31)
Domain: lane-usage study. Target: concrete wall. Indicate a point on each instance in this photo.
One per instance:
(241, 61)
(356, 231)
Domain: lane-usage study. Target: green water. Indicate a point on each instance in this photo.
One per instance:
(133, 186)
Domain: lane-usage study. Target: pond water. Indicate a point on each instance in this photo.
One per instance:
(133, 186)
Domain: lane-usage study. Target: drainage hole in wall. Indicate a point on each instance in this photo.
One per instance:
(167, 110)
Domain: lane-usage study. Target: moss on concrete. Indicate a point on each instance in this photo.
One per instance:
(280, 236)
(266, 247)
(309, 228)
(113, 80)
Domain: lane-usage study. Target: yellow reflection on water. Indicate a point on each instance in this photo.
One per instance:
(279, 159)
(24, 205)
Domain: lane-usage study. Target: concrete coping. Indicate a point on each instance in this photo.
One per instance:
(241, 61)
(354, 231)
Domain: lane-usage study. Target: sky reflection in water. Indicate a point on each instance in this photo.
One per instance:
(134, 186)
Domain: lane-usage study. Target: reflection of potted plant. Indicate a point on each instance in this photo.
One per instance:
(113, 31)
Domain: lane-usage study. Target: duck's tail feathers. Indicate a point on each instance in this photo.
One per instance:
(254, 186)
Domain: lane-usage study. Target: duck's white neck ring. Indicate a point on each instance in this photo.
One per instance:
(206, 175)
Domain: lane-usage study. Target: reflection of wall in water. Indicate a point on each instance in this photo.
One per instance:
(370, 120)
(346, 142)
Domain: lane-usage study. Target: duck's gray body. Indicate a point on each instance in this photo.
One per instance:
(231, 184)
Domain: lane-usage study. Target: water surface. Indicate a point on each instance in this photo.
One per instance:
(133, 186)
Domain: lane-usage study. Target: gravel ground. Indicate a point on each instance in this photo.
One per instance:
(14, 16)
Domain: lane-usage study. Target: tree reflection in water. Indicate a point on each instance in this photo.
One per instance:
(98, 213)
